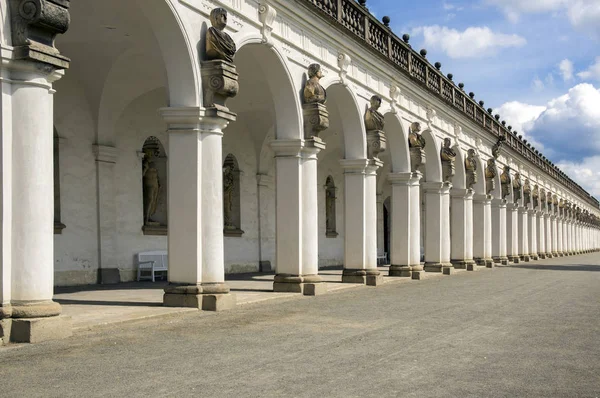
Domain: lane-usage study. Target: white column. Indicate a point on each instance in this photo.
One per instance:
(360, 209)
(297, 263)
(532, 234)
(512, 233)
(106, 158)
(559, 235)
(565, 229)
(548, 221)
(541, 235)
(482, 230)
(523, 234)
(32, 187)
(196, 263)
(437, 227)
(499, 235)
(462, 229)
(555, 240)
(405, 225)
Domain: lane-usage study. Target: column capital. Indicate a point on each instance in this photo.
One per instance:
(462, 193)
(439, 187)
(485, 199)
(105, 153)
(523, 210)
(312, 147)
(194, 119)
(410, 179)
(354, 166)
(499, 202)
(287, 148)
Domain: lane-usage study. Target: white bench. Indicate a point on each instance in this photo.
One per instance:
(152, 262)
(382, 258)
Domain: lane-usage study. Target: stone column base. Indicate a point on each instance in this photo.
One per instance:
(549, 255)
(309, 285)
(534, 257)
(542, 256)
(501, 260)
(418, 272)
(207, 297)
(525, 257)
(514, 259)
(472, 266)
(369, 277)
(403, 271)
(461, 264)
(37, 330)
(433, 267)
(5, 326)
(448, 269)
(489, 263)
(555, 254)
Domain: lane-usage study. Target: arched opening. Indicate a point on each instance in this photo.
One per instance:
(387, 229)
(128, 59)
(58, 225)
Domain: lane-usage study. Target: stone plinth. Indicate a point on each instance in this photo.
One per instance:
(37, 330)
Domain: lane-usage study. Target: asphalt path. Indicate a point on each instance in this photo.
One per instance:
(523, 331)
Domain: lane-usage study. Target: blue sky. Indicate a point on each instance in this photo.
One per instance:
(537, 62)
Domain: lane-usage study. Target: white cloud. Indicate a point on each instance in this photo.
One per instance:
(514, 8)
(567, 130)
(566, 69)
(519, 115)
(585, 172)
(593, 72)
(474, 42)
(585, 16)
(570, 124)
(538, 84)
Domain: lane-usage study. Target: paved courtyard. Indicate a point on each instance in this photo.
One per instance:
(530, 330)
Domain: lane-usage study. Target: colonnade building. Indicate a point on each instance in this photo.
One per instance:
(285, 135)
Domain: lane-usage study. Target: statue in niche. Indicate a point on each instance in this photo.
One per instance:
(151, 185)
(415, 139)
(448, 157)
(219, 45)
(330, 216)
(374, 119)
(374, 122)
(527, 192)
(491, 171)
(517, 187)
(313, 91)
(228, 188)
(506, 181)
(471, 168)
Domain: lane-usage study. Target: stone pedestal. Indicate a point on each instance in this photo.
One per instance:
(196, 249)
(360, 249)
(418, 159)
(297, 219)
(437, 219)
(316, 119)
(219, 83)
(376, 143)
(406, 224)
(462, 228)
(541, 235)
